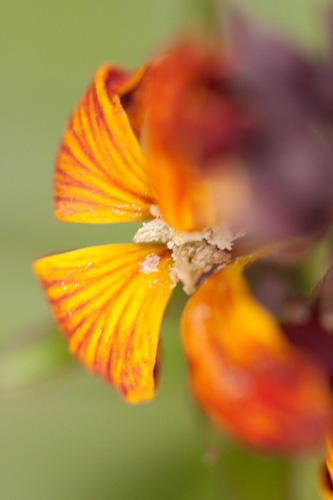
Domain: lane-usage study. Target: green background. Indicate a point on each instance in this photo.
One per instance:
(63, 433)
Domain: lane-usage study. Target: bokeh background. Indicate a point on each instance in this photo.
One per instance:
(63, 433)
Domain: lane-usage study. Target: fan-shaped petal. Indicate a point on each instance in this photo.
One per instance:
(101, 170)
(244, 373)
(109, 301)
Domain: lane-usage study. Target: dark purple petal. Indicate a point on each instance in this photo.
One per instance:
(288, 156)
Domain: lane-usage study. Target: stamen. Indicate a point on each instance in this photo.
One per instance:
(194, 253)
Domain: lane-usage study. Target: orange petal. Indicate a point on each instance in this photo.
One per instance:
(325, 484)
(133, 90)
(184, 198)
(101, 170)
(195, 126)
(244, 374)
(329, 453)
(325, 479)
(109, 301)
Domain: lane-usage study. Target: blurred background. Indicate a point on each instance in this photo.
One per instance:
(63, 433)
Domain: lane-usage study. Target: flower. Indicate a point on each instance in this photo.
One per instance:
(109, 300)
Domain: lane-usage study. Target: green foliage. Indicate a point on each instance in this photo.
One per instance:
(72, 437)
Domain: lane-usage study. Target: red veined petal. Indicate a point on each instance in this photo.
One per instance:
(109, 301)
(101, 170)
(133, 90)
(244, 373)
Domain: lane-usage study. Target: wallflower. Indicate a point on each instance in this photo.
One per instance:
(109, 300)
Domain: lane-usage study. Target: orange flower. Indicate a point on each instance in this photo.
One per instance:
(109, 300)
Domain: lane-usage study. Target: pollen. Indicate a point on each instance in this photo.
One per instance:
(149, 265)
(195, 254)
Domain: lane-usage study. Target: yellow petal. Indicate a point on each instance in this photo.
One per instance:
(109, 301)
(244, 373)
(101, 170)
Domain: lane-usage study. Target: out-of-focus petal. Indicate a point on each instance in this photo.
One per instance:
(183, 198)
(101, 170)
(325, 485)
(245, 375)
(109, 301)
(192, 123)
(323, 294)
(329, 455)
(326, 473)
(288, 158)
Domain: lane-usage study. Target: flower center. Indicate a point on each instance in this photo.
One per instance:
(194, 253)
